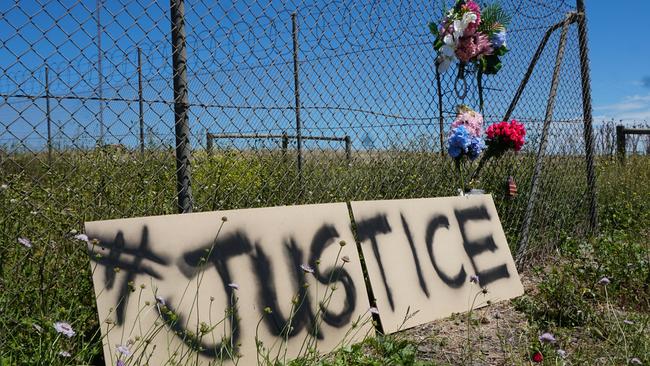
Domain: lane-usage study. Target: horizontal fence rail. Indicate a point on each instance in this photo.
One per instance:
(622, 141)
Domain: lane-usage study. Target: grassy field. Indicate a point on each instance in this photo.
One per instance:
(594, 324)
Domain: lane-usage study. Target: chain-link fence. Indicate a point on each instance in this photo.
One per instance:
(282, 103)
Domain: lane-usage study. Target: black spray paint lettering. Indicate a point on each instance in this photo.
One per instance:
(418, 269)
(436, 223)
(368, 229)
(113, 262)
(278, 324)
(476, 247)
(226, 349)
(324, 237)
(218, 254)
(303, 315)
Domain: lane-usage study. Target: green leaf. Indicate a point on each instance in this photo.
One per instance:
(490, 64)
(493, 18)
(501, 51)
(433, 27)
(438, 43)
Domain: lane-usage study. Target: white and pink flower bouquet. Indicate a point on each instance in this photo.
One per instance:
(467, 34)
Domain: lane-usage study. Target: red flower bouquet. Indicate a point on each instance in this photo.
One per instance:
(504, 136)
(501, 137)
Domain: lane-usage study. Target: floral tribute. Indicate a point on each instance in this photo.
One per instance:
(466, 142)
(504, 136)
(470, 35)
(465, 139)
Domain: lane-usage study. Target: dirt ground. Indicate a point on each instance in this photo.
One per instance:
(495, 331)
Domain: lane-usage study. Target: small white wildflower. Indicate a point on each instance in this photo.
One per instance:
(64, 354)
(604, 281)
(307, 268)
(25, 242)
(82, 237)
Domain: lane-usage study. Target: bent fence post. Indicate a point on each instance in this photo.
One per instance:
(550, 105)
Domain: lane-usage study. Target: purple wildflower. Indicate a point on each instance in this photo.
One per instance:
(561, 353)
(499, 39)
(25, 242)
(547, 338)
(473, 279)
(604, 281)
(124, 350)
(233, 286)
(307, 268)
(64, 328)
(120, 363)
(160, 300)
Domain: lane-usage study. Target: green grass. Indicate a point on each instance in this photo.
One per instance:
(52, 282)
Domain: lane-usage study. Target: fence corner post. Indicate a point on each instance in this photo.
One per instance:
(620, 143)
(587, 115)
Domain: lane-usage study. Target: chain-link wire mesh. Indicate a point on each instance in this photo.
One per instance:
(87, 124)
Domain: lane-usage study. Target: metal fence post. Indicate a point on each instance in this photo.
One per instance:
(532, 198)
(296, 83)
(285, 143)
(181, 107)
(441, 119)
(100, 72)
(140, 101)
(48, 113)
(208, 142)
(586, 113)
(620, 143)
(348, 149)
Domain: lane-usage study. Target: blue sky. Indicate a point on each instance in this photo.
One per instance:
(363, 55)
(620, 55)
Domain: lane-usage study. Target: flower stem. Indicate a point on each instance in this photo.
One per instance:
(460, 174)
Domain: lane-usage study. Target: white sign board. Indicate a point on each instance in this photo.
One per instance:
(422, 253)
(193, 287)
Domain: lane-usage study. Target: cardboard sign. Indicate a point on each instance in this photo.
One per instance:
(421, 254)
(180, 288)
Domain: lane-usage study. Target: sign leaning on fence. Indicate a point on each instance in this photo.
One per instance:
(180, 287)
(275, 282)
(422, 256)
